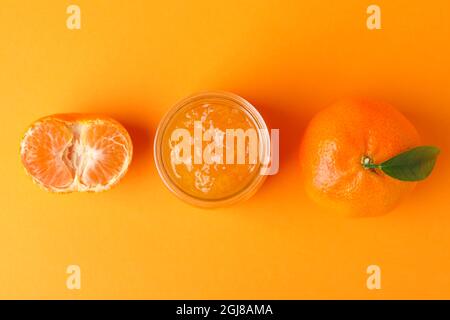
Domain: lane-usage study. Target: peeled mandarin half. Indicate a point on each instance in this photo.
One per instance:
(76, 152)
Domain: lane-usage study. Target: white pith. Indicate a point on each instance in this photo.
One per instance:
(80, 157)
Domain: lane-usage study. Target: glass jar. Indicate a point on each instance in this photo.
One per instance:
(203, 175)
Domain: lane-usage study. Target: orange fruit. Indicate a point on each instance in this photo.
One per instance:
(76, 152)
(336, 143)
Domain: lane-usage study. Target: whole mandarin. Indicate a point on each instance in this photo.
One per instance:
(336, 143)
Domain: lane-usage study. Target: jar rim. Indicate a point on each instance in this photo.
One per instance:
(263, 142)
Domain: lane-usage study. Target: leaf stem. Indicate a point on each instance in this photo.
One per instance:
(372, 166)
(367, 163)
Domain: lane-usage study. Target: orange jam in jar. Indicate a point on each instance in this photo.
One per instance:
(210, 149)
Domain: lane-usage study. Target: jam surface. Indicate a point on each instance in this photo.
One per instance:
(216, 177)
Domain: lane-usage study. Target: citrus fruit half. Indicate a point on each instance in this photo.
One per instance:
(76, 152)
(340, 142)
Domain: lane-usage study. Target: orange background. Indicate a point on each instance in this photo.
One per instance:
(133, 60)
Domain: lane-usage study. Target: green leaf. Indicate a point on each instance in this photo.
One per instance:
(412, 165)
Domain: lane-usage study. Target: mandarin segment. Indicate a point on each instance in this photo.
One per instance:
(44, 153)
(64, 153)
(107, 150)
